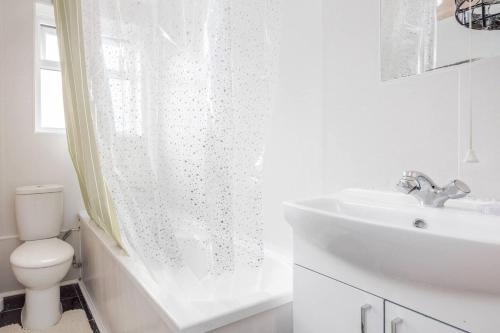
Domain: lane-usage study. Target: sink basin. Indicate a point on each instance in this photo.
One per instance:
(390, 234)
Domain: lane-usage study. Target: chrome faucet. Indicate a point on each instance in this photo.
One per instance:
(427, 192)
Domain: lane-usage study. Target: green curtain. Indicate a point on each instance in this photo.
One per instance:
(78, 114)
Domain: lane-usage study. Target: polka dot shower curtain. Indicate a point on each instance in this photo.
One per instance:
(180, 93)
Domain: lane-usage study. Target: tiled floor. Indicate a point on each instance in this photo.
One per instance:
(71, 299)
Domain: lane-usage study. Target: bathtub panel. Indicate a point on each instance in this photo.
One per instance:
(126, 299)
(277, 320)
(120, 305)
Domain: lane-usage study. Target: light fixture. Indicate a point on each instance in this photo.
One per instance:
(484, 14)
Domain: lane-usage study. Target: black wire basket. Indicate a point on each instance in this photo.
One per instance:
(485, 14)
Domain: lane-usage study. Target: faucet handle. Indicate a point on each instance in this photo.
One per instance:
(407, 185)
(456, 189)
(418, 176)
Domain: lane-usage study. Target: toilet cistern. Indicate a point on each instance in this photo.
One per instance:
(423, 188)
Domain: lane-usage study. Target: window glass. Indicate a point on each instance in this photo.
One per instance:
(111, 53)
(49, 110)
(49, 48)
(126, 103)
(51, 99)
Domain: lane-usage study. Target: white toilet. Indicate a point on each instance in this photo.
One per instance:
(43, 260)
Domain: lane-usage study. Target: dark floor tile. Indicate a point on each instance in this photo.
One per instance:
(68, 291)
(13, 302)
(71, 304)
(93, 326)
(71, 299)
(75, 303)
(10, 317)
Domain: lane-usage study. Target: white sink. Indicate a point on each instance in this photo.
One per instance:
(459, 247)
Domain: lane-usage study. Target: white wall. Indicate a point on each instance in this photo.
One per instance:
(376, 130)
(483, 177)
(25, 157)
(294, 152)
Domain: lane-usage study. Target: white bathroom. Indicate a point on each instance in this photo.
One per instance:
(239, 166)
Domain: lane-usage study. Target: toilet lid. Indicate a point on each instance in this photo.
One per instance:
(41, 253)
(39, 189)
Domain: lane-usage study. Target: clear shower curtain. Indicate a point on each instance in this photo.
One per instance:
(180, 92)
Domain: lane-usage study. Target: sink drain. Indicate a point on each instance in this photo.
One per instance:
(419, 223)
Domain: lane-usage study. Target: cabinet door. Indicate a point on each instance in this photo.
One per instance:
(401, 320)
(324, 305)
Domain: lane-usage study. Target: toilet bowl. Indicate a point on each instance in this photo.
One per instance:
(40, 265)
(43, 260)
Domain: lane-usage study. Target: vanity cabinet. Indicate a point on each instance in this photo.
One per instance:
(322, 304)
(402, 320)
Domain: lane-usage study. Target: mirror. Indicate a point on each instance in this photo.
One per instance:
(423, 35)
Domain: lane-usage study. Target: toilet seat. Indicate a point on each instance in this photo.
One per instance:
(41, 253)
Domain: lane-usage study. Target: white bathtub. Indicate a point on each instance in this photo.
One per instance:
(127, 299)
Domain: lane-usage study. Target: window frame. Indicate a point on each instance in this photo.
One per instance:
(43, 17)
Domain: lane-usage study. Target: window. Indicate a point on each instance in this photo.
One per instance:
(49, 109)
(124, 84)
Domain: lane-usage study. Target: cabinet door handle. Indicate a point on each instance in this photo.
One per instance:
(394, 324)
(364, 308)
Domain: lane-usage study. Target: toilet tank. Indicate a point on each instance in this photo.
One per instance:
(39, 211)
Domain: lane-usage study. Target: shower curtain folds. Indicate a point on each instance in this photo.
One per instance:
(170, 101)
(79, 120)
